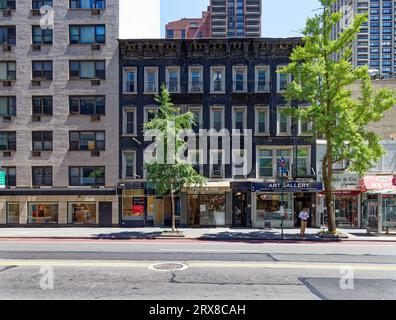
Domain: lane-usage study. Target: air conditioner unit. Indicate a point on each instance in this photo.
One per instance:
(196, 88)
(95, 118)
(36, 154)
(36, 118)
(35, 12)
(151, 89)
(96, 12)
(95, 83)
(7, 13)
(95, 153)
(6, 118)
(7, 154)
(7, 83)
(217, 173)
(36, 47)
(36, 83)
(262, 88)
(95, 47)
(7, 48)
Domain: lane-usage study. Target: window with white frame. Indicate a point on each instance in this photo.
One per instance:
(269, 157)
(173, 79)
(195, 79)
(303, 159)
(197, 112)
(130, 80)
(129, 121)
(150, 113)
(238, 164)
(217, 83)
(240, 78)
(262, 78)
(262, 120)
(239, 118)
(151, 80)
(195, 157)
(217, 164)
(217, 118)
(129, 165)
(284, 79)
(283, 122)
(304, 126)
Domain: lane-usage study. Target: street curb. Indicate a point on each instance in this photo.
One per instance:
(199, 238)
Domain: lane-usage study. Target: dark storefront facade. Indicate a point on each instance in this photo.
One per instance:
(228, 84)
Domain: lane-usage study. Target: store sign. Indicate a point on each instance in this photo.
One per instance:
(377, 183)
(2, 180)
(346, 181)
(394, 180)
(290, 186)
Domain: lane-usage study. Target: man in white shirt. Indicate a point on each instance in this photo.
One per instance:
(304, 216)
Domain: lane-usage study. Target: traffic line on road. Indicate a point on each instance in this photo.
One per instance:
(197, 264)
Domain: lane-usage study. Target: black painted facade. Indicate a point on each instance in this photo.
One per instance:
(208, 53)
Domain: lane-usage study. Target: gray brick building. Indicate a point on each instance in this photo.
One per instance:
(58, 131)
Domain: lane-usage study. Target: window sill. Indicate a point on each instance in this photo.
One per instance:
(129, 135)
(129, 93)
(283, 134)
(217, 92)
(262, 134)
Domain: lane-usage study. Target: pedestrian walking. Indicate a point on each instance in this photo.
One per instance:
(304, 216)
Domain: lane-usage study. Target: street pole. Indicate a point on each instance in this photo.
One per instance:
(282, 174)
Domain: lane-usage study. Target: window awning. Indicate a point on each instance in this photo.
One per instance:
(378, 184)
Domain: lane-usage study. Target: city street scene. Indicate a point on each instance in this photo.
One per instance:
(205, 150)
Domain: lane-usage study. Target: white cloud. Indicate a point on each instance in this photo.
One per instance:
(140, 19)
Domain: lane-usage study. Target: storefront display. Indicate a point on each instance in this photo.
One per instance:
(346, 209)
(134, 204)
(207, 209)
(268, 210)
(40, 213)
(82, 213)
(389, 212)
(12, 213)
(212, 210)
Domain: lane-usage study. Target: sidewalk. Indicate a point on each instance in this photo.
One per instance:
(199, 234)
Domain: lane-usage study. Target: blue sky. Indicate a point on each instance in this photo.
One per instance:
(281, 18)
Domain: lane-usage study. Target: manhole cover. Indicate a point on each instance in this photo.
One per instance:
(168, 266)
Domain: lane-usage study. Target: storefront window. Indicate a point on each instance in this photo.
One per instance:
(82, 213)
(13, 213)
(389, 211)
(39, 213)
(346, 210)
(134, 203)
(212, 209)
(269, 209)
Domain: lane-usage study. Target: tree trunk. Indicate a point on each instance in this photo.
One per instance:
(327, 179)
(173, 209)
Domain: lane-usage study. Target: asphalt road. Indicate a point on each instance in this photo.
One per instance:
(213, 270)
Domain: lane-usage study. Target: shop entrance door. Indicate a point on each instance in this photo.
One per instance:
(105, 214)
(239, 210)
(194, 211)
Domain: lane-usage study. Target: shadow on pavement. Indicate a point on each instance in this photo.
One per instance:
(258, 235)
(128, 235)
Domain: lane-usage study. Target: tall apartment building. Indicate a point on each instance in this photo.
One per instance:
(223, 19)
(189, 28)
(58, 125)
(375, 42)
(236, 18)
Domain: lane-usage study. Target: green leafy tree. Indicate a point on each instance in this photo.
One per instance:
(323, 82)
(169, 173)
